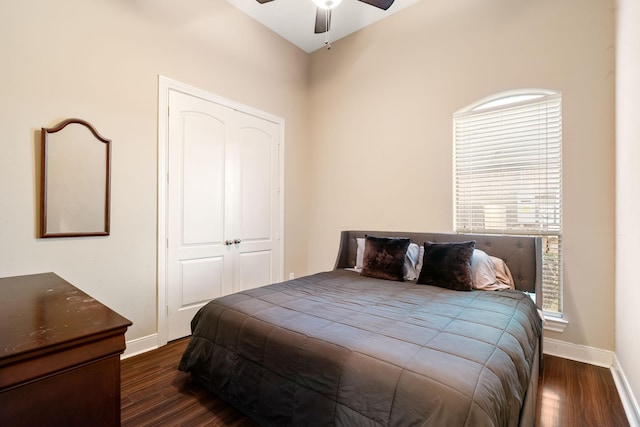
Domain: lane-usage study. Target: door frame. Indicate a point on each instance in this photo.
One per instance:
(164, 86)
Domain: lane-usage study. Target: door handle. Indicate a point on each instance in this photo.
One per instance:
(237, 241)
(228, 242)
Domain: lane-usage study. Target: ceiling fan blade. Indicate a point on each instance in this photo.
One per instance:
(323, 20)
(263, 1)
(380, 4)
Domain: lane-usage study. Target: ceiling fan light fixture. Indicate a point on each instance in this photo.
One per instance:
(327, 4)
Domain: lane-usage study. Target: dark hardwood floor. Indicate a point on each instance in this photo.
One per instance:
(155, 393)
(577, 394)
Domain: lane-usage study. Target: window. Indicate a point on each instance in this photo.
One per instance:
(508, 174)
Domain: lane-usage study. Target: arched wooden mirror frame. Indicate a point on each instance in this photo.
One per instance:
(75, 181)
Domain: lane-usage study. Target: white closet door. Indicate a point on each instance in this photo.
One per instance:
(199, 264)
(223, 205)
(256, 202)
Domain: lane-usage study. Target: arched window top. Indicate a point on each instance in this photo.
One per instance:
(510, 97)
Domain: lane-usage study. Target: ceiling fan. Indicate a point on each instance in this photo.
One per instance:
(323, 12)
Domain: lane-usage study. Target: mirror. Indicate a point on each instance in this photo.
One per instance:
(75, 190)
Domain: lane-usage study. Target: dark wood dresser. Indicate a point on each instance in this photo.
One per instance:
(59, 354)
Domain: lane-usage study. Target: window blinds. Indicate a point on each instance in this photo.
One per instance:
(508, 176)
(508, 167)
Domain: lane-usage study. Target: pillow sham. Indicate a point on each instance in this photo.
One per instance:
(484, 273)
(448, 265)
(503, 274)
(359, 253)
(412, 261)
(384, 257)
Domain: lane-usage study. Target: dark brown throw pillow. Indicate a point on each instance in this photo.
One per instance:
(384, 257)
(447, 265)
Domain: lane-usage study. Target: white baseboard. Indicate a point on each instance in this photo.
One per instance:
(603, 358)
(626, 394)
(140, 345)
(579, 353)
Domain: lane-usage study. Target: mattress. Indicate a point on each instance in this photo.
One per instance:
(336, 348)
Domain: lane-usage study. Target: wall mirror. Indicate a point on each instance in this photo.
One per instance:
(75, 187)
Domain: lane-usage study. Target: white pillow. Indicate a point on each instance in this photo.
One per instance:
(503, 274)
(484, 273)
(412, 260)
(359, 254)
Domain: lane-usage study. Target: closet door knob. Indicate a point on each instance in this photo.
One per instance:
(237, 241)
(229, 242)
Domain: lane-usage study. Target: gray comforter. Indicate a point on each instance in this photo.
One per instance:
(336, 348)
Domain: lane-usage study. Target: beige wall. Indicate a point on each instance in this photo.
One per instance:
(382, 101)
(100, 61)
(627, 182)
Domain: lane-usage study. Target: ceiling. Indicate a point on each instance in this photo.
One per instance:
(294, 20)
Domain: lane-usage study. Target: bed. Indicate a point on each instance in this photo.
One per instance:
(347, 347)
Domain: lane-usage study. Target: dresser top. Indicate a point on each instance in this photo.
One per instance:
(42, 311)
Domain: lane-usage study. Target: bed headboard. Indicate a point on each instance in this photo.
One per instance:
(522, 254)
